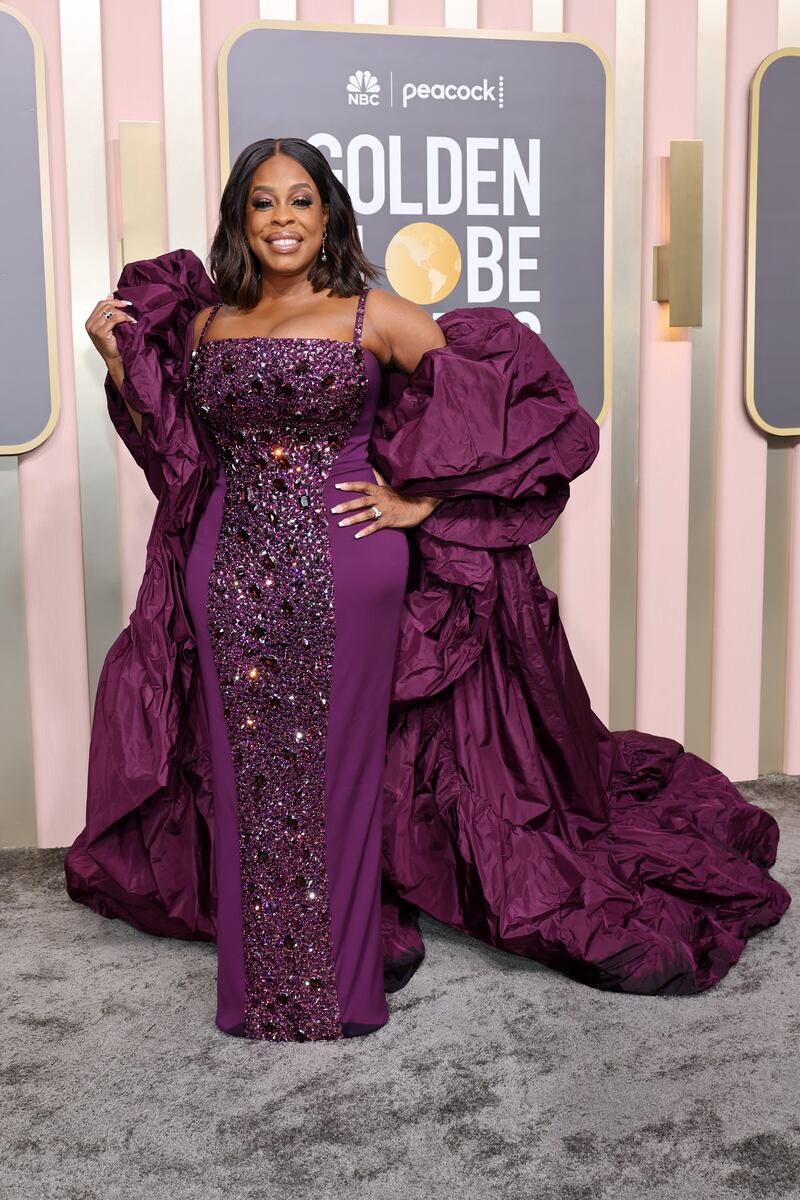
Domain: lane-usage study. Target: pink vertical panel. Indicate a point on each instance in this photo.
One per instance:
(585, 527)
(666, 391)
(504, 14)
(741, 447)
(129, 35)
(791, 763)
(325, 11)
(592, 19)
(51, 528)
(416, 12)
(217, 22)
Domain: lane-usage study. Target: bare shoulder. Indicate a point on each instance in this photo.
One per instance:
(199, 322)
(404, 328)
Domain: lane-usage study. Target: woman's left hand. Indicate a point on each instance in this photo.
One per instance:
(397, 512)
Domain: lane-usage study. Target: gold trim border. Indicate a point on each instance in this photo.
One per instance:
(777, 522)
(752, 208)
(47, 235)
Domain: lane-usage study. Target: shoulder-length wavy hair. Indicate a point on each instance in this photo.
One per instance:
(235, 269)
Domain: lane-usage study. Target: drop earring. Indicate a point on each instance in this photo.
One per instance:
(323, 256)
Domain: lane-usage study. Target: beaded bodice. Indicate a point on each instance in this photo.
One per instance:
(249, 389)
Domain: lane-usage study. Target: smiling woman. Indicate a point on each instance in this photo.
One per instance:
(295, 613)
(291, 192)
(303, 670)
(297, 689)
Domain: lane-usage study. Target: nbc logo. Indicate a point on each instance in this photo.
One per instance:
(363, 88)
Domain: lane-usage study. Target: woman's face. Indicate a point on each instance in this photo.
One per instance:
(283, 203)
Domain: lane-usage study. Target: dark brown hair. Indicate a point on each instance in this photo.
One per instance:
(235, 269)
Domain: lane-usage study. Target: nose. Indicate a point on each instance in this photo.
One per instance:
(282, 206)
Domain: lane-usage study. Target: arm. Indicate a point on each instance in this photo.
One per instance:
(407, 332)
(399, 333)
(117, 373)
(146, 368)
(104, 340)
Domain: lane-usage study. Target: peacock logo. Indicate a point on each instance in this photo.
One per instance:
(363, 88)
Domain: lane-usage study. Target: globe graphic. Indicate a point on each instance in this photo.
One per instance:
(423, 262)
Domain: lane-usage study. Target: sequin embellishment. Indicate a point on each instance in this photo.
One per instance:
(278, 422)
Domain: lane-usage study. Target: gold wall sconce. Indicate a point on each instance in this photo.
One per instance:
(142, 225)
(678, 266)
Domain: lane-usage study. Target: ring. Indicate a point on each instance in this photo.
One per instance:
(377, 511)
(109, 312)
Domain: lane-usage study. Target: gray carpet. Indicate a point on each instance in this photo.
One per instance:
(495, 1077)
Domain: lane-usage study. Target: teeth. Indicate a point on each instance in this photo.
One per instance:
(283, 241)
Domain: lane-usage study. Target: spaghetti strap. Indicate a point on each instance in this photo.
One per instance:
(214, 310)
(360, 316)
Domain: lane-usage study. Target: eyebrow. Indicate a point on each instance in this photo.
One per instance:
(266, 187)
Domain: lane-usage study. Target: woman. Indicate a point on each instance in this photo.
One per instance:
(263, 804)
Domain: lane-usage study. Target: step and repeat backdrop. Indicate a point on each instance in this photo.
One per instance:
(477, 166)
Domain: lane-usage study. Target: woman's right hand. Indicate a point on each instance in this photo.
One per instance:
(101, 328)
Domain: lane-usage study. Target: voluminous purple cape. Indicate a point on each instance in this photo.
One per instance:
(510, 811)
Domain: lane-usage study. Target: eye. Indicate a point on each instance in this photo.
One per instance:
(304, 201)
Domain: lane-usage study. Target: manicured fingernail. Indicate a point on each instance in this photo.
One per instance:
(134, 320)
(126, 302)
(339, 485)
(359, 533)
(336, 508)
(344, 520)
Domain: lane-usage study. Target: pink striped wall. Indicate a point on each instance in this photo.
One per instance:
(130, 96)
(51, 530)
(665, 390)
(742, 450)
(585, 527)
(49, 476)
(791, 761)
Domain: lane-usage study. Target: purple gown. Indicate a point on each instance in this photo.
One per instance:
(509, 811)
(296, 623)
